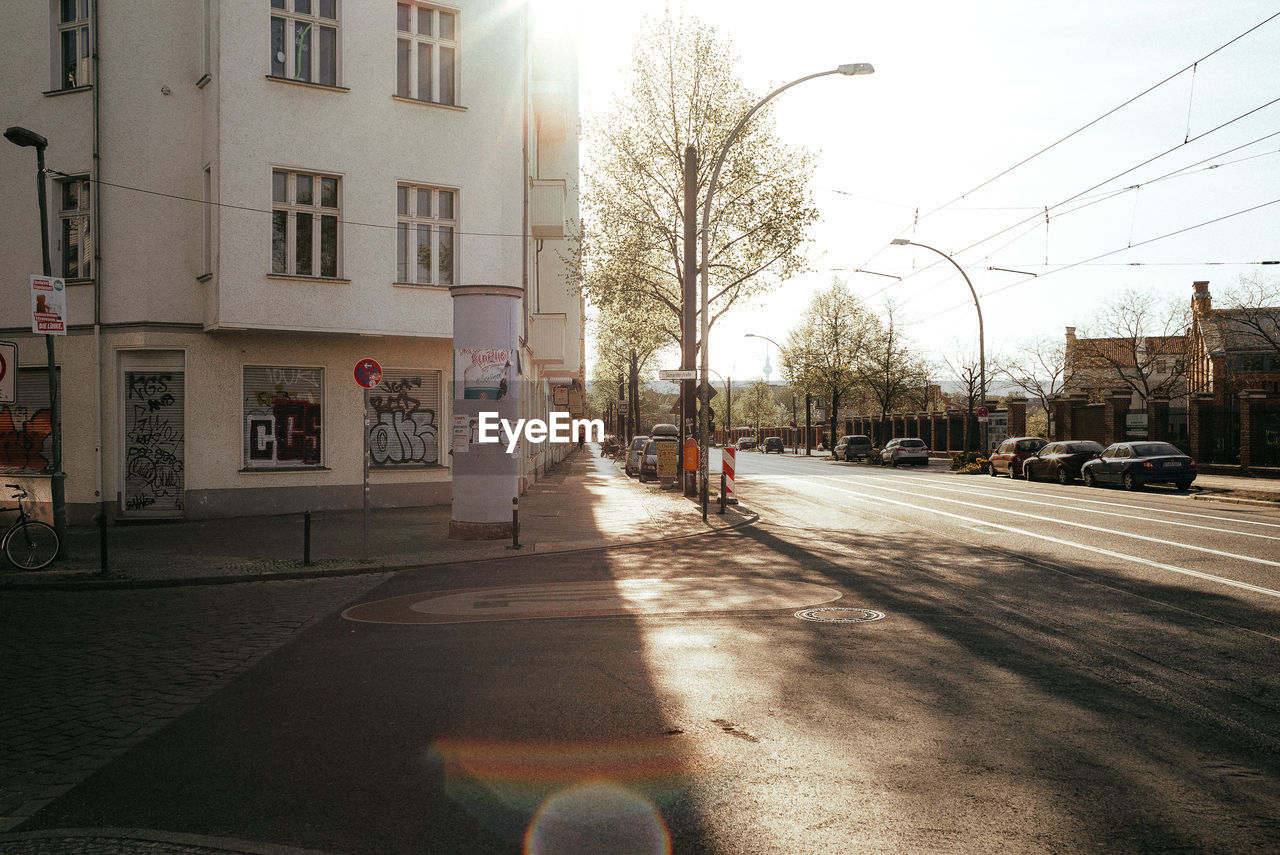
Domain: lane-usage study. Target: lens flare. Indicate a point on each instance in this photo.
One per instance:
(597, 818)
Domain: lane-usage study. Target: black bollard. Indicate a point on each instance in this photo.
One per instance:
(515, 522)
(306, 538)
(724, 483)
(102, 543)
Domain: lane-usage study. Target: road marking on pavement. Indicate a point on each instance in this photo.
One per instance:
(593, 599)
(1004, 491)
(1073, 524)
(1086, 547)
(1005, 496)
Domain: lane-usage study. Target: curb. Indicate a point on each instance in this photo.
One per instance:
(1214, 497)
(109, 583)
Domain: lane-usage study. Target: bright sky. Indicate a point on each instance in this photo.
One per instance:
(964, 91)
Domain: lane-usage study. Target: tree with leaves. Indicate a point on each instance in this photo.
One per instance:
(757, 406)
(627, 345)
(824, 353)
(684, 91)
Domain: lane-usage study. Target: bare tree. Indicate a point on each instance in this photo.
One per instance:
(965, 368)
(1038, 367)
(1136, 340)
(1254, 307)
(890, 371)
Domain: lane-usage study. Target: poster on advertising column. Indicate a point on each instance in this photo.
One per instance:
(48, 305)
(483, 373)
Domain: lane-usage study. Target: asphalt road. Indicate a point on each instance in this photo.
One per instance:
(1057, 670)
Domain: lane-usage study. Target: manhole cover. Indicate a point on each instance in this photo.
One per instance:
(833, 615)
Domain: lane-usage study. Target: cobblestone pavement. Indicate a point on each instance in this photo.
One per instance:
(134, 842)
(86, 675)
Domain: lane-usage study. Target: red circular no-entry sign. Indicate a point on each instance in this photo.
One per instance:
(368, 373)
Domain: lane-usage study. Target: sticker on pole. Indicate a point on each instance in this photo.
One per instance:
(368, 373)
(48, 305)
(8, 372)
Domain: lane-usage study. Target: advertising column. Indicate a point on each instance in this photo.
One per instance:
(486, 374)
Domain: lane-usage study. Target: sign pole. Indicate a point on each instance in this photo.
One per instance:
(365, 491)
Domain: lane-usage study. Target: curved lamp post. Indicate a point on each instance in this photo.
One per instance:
(982, 356)
(26, 138)
(848, 69)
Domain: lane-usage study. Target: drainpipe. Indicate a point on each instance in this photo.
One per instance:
(100, 491)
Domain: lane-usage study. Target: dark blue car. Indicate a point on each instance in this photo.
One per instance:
(1133, 464)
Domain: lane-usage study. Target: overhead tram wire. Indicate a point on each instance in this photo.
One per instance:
(916, 220)
(1111, 194)
(267, 211)
(1105, 115)
(1113, 252)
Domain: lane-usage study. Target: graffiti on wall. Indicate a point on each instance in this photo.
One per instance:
(154, 436)
(22, 437)
(283, 416)
(401, 430)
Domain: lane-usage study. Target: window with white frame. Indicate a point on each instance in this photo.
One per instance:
(305, 209)
(304, 40)
(73, 44)
(426, 220)
(75, 242)
(426, 53)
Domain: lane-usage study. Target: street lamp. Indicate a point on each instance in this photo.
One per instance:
(982, 356)
(795, 446)
(30, 139)
(849, 69)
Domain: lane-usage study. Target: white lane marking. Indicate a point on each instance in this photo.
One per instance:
(1007, 496)
(1086, 547)
(1158, 540)
(1196, 514)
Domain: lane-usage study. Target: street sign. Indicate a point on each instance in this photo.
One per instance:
(708, 388)
(677, 374)
(8, 372)
(368, 373)
(983, 412)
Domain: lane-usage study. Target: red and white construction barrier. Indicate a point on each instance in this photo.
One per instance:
(727, 461)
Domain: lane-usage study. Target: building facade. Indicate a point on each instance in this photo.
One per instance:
(246, 201)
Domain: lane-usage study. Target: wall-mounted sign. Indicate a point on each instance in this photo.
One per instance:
(368, 373)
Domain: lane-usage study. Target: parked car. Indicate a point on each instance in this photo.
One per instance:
(854, 447)
(746, 444)
(1060, 460)
(772, 443)
(649, 457)
(905, 450)
(633, 454)
(1133, 464)
(1009, 456)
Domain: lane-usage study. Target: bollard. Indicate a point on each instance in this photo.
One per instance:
(723, 480)
(102, 543)
(515, 522)
(306, 538)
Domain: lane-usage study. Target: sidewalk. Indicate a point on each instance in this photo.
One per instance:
(584, 502)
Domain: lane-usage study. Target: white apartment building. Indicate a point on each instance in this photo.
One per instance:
(249, 197)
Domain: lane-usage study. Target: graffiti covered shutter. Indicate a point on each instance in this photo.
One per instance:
(153, 389)
(26, 427)
(403, 415)
(283, 417)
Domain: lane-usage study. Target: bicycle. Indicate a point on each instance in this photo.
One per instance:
(28, 544)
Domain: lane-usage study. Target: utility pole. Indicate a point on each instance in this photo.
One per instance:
(688, 317)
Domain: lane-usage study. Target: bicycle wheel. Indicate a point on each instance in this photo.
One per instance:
(31, 545)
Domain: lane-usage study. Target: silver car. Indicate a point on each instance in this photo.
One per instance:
(633, 454)
(905, 450)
